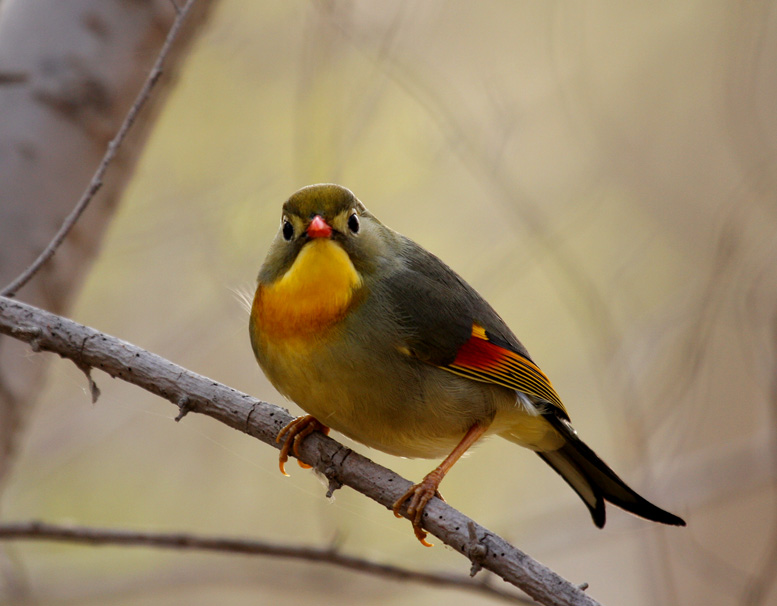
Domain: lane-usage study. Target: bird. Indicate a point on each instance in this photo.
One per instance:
(377, 338)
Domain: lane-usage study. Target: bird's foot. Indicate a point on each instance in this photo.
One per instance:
(295, 432)
(419, 495)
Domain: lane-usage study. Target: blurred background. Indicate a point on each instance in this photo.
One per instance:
(604, 174)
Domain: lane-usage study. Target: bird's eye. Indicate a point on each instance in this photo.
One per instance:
(353, 223)
(288, 230)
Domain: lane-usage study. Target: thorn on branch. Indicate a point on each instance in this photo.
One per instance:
(476, 551)
(583, 586)
(331, 468)
(185, 406)
(93, 389)
(334, 484)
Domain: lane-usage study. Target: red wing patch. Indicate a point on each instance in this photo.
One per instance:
(482, 360)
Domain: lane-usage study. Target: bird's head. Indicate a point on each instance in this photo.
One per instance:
(326, 215)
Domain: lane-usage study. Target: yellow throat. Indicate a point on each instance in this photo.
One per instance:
(314, 293)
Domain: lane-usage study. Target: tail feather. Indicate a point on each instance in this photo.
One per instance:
(594, 481)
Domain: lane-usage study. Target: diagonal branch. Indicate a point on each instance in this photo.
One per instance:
(42, 531)
(89, 348)
(113, 147)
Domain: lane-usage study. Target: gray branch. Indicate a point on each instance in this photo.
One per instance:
(89, 348)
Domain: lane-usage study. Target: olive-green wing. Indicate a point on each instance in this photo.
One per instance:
(445, 322)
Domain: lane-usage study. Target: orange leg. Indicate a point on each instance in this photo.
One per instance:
(420, 494)
(299, 429)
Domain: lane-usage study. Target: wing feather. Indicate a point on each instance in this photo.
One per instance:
(442, 320)
(482, 359)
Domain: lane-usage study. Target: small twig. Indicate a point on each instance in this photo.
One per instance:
(113, 147)
(43, 531)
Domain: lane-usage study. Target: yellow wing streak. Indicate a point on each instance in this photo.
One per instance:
(482, 360)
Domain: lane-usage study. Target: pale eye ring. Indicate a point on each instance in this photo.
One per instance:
(353, 223)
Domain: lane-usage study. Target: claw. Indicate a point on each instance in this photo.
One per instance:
(419, 495)
(297, 430)
(282, 463)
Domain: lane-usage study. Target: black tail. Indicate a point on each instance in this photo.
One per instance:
(594, 481)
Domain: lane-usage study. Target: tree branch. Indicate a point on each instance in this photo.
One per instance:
(43, 531)
(89, 348)
(113, 147)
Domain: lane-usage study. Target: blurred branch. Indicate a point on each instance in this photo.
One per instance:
(113, 147)
(89, 348)
(526, 214)
(13, 78)
(762, 583)
(43, 531)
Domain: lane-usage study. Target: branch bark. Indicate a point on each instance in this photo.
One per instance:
(89, 348)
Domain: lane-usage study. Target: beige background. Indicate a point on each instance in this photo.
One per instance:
(604, 174)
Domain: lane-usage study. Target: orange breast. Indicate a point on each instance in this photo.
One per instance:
(316, 292)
